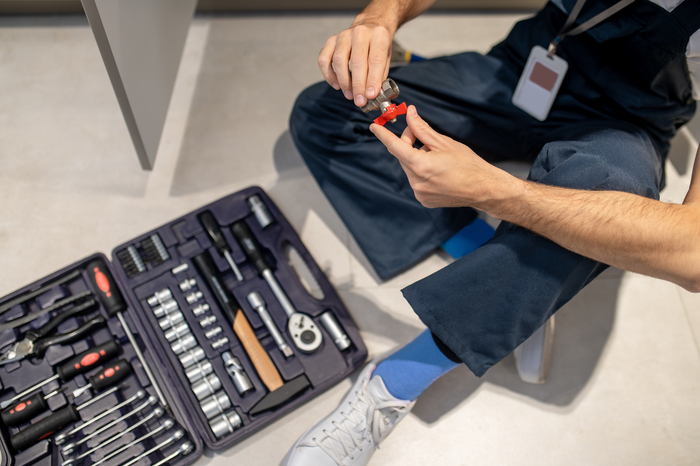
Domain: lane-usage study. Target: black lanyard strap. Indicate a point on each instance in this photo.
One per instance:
(569, 30)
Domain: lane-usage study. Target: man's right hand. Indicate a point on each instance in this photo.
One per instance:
(365, 48)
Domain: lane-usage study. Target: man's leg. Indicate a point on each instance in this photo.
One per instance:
(466, 96)
(485, 305)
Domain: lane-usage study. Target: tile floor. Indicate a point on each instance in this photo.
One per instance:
(624, 384)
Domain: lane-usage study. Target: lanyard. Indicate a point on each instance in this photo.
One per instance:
(569, 30)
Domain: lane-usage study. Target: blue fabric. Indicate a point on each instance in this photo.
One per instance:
(468, 239)
(608, 129)
(411, 370)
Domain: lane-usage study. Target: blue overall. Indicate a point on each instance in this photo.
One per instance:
(625, 95)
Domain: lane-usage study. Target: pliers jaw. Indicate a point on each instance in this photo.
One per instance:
(18, 351)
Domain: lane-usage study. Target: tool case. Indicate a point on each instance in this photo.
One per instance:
(180, 298)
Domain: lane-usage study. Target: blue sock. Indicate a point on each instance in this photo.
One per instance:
(412, 369)
(468, 239)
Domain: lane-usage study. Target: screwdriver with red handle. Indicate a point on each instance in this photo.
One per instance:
(26, 409)
(84, 362)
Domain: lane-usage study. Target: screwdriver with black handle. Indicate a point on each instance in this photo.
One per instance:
(84, 362)
(111, 298)
(217, 237)
(25, 410)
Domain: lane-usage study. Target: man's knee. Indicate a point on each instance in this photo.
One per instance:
(608, 159)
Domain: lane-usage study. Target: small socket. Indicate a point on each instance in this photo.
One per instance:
(180, 268)
(187, 285)
(177, 331)
(219, 343)
(160, 297)
(171, 320)
(201, 309)
(213, 332)
(225, 424)
(215, 404)
(165, 308)
(207, 386)
(191, 357)
(194, 297)
(207, 321)
(199, 370)
(183, 344)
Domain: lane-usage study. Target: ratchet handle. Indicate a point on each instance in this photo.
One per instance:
(87, 360)
(110, 374)
(212, 226)
(24, 410)
(105, 287)
(250, 246)
(90, 326)
(45, 427)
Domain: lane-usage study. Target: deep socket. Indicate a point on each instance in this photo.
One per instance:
(171, 319)
(215, 404)
(183, 344)
(336, 332)
(207, 386)
(194, 297)
(201, 309)
(187, 285)
(177, 331)
(207, 321)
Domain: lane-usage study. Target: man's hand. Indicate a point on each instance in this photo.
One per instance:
(366, 49)
(444, 172)
(357, 60)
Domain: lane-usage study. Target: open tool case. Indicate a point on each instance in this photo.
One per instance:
(207, 336)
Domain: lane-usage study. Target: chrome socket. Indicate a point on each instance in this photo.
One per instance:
(171, 320)
(193, 356)
(194, 297)
(215, 404)
(165, 308)
(201, 309)
(180, 268)
(159, 297)
(207, 321)
(213, 332)
(199, 370)
(337, 333)
(183, 344)
(259, 209)
(219, 343)
(207, 386)
(187, 285)
(177, 331)
(225, 424)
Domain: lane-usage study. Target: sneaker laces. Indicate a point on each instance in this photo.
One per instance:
(366, 416)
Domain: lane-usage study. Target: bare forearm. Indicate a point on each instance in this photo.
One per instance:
(617, 228)
(392, 13)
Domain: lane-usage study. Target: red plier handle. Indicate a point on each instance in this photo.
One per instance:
(392, 112)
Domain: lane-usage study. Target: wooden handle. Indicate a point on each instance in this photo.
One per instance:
(257, 354)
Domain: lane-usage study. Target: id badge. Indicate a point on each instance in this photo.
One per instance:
(539, 83)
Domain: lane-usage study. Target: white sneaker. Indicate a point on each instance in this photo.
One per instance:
(350, 434)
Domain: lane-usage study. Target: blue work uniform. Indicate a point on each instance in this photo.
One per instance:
(626, 93)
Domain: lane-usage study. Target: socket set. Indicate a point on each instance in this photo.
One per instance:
(198, 333)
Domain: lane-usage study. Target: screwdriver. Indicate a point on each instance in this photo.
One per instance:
(113, 302)
(53, 422)
(80, 364)
(25, 410)
(217, 237)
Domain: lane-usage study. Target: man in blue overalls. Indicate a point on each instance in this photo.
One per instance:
(628, 88)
